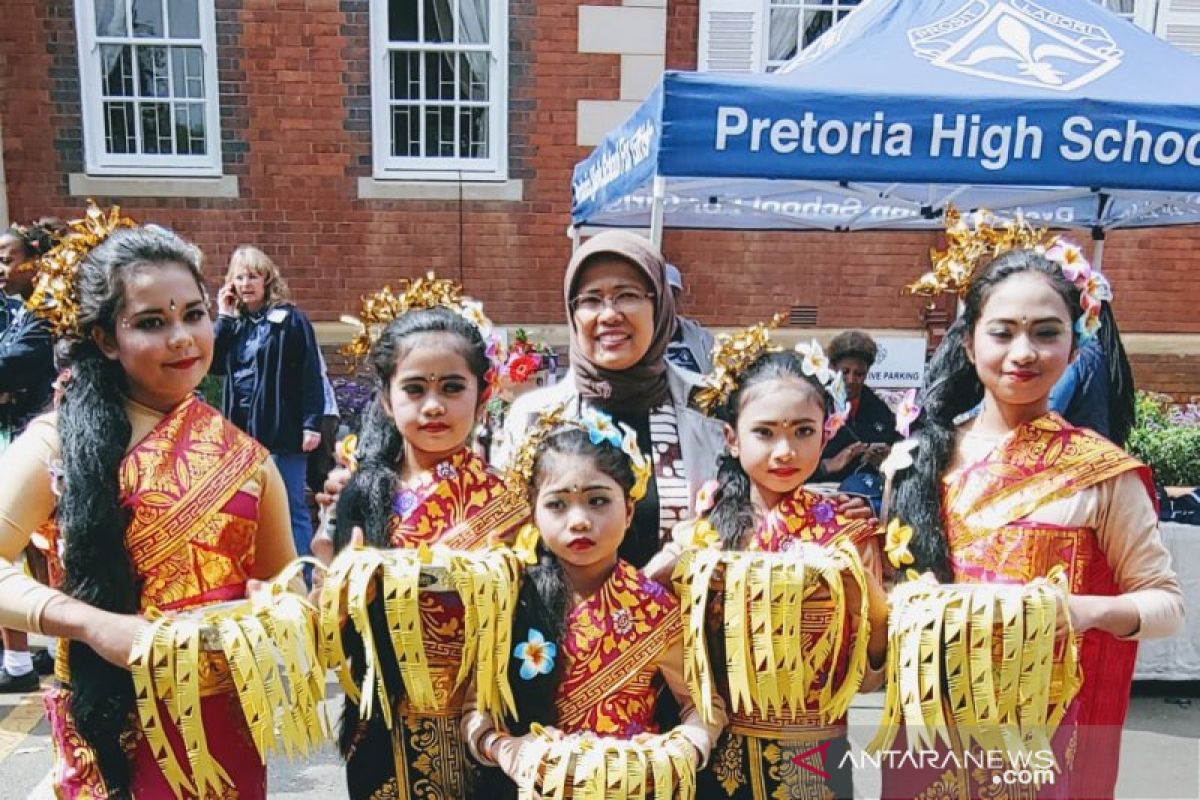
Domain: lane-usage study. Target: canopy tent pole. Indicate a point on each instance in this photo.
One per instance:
(573, 234)
(656, 210)
(1102, 201)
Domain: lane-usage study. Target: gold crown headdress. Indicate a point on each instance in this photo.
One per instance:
(385, 306)
(54, 297)
(599, 427)
(988, 237)
(731, 354)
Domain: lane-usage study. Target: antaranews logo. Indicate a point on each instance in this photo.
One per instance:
(1033, 768)
(1017, 41)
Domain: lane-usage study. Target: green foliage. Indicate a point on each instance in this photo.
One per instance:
(210, 390)
(1171, 448)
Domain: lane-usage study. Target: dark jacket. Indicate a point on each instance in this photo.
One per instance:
(26, 364)
(288, 396)
(873, 422)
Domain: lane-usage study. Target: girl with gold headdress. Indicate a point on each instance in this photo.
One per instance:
(799, 615)
(148, 499)
(1015, 494)
(595, 639)
(418, 484)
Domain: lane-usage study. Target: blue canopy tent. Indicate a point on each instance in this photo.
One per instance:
(1058, 109)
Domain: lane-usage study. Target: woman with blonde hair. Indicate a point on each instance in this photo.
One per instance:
(266, 350)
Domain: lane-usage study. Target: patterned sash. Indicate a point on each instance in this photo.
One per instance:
(613, 645)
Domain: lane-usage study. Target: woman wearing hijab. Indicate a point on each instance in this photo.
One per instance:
(622, 316)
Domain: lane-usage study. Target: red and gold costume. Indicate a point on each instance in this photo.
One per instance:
(192, 487)
(614, 645)
(1050, 495)
(754, 757)
(464, 506)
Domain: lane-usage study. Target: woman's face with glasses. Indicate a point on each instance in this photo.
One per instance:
(613, 310)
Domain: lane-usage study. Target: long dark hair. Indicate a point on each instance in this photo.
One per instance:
(367, 499)
(1122, 402)
(952, 388)
(544, 595)
(733, 513)
(95, 432)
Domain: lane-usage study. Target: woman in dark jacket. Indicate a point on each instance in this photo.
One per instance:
(866, 438)
(266, 350)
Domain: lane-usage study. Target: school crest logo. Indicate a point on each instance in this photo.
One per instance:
(1017, 41)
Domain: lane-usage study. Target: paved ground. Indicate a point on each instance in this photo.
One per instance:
(1160, 758)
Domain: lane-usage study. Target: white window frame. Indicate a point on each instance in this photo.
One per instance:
(389, 167)
(839, 8)
(97, 161)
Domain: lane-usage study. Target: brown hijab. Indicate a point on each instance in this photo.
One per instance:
(644, 385)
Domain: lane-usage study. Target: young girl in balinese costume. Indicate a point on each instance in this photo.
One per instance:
(1015, 494)
(153, 501)
(779, 409)
(596, 638)
(419, 483)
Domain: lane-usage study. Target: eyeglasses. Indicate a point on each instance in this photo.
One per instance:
(624, 302)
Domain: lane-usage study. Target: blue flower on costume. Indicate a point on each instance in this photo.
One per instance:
(536, 655)
(823, 512)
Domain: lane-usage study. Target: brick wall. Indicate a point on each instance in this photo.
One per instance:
(295, 111)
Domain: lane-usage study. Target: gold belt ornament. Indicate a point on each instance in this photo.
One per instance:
(946, 665)
(261, 642)
(765, 596)
(587, 767)
(486, 580)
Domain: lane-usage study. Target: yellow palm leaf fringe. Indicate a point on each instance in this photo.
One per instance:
(486, 580)
(588, 767)
(980, 658)
(270, 644)
(768, 670)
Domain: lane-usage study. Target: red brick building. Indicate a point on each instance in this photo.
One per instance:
(360, 141)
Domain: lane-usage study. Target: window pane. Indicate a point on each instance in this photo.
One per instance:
(110, 18)
(815, 23)
(406, 131)
(439, 131)
(473, 21)
(184, 18)
(439, 76)
(473, 132)
(152, 72)
(402, 21)
(117, 62)
(156, 128)
(147, 18)
(189, 128)
(120, 135)
(406, 75)
(439, 20)
(473, 74)
(785, 24)
(1122, 7)
(187, 71)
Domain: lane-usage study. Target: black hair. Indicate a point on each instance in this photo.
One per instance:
(543, 599)
(37, 238)
(952, 388)
(95, 432)
(367, 500)
(1122, 400)
(733, 513)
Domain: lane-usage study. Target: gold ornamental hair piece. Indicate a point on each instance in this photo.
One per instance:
(384, 306)
(732, 354)
(970, 245)
(600, 427)
(54, 295)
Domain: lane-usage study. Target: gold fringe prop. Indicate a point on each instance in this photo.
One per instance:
(767, 669)
(588, 767)
(486, 580)
(275, 626)
(979, 657)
